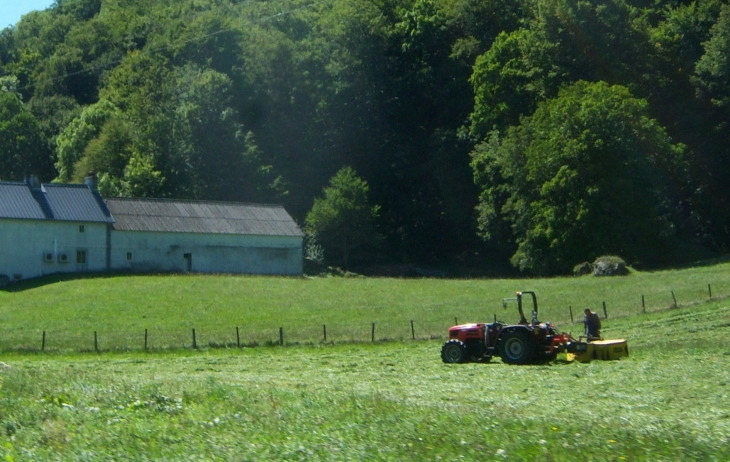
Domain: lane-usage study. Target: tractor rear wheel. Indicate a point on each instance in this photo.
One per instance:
(517, 347)
(453, 351)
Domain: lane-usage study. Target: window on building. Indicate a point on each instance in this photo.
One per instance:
(129, 256)
(81, 228)
(81, 257)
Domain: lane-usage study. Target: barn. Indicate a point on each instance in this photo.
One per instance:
(62, 228)
(205, 237)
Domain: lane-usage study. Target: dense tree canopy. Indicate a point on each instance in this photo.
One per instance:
(268, 100)
(588, 174)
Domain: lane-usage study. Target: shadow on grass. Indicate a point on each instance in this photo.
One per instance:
(687, 265)
(538, 363)
(34, 283)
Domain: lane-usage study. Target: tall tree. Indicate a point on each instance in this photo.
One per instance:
(713, 68)
(589, 173)
(343, 221)
(107, 154)
(23, 148)
(712, 81)
(76, 136)
(521, 69)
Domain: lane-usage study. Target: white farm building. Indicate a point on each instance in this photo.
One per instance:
(63, 228)
(206, 237)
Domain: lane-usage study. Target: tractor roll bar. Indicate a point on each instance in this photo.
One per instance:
(535, 322)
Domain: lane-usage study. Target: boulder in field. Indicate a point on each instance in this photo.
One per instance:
(610, 266)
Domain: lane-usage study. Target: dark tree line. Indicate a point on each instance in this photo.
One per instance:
(545, 132)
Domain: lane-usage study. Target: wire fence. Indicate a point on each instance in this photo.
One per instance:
(212, 336)
(36, 340)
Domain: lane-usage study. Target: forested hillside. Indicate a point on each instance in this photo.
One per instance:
(546, 132)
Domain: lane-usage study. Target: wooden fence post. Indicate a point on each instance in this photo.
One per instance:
(413, 330)
(238, 338)
(195, 343)
(570, 307)
(643, 305)
(675, 299)
(281, 336)
(145, 339)
(96, 342)
(43, 342)
(605, 313)
(372, 334)
(709, 289)
(324, 332)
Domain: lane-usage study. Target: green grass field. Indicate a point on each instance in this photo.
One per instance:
(120, 308)
(363, 401)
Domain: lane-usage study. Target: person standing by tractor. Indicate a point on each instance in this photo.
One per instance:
(593, 324)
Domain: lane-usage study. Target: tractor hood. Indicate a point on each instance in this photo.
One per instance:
(466, 326)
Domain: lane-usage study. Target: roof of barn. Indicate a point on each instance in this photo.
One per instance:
(187, 216)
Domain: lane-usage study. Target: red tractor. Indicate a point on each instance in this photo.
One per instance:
(521, 343)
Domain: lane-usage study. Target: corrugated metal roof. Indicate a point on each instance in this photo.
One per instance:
(63, 202)
(16, 201)
(201, 217)
(76, 203)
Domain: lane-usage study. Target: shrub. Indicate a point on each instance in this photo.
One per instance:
(581, 269)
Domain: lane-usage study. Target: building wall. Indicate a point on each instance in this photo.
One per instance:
(25, 243)
(206, 253)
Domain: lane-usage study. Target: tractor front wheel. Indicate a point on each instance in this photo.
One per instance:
(517, 347)
(453, 351)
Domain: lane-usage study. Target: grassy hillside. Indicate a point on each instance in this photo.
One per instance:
(120, 308)
(383, 401)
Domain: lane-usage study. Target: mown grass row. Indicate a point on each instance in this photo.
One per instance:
(386, 401)
(120, 308)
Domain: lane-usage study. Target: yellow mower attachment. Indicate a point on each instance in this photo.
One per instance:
(602, 350)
